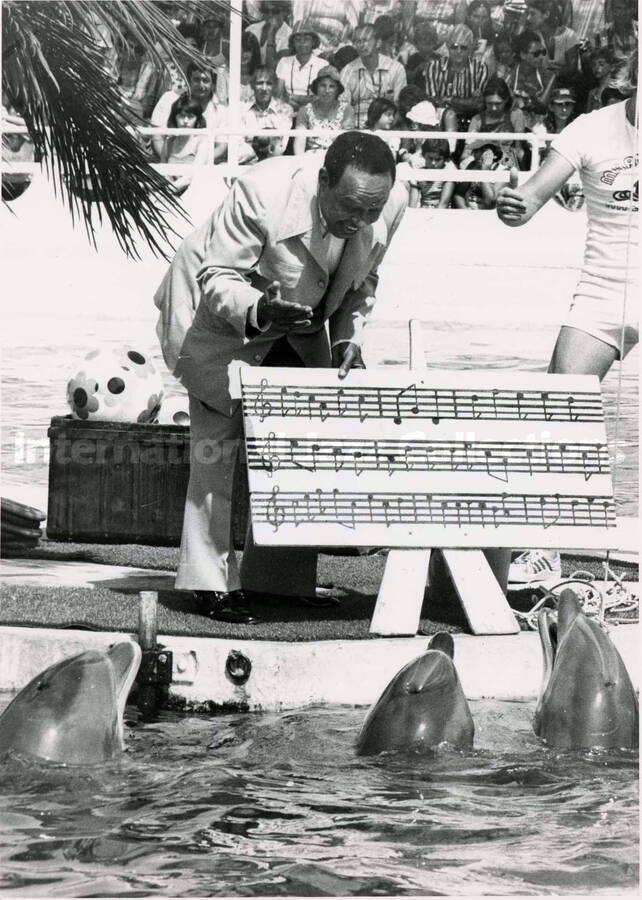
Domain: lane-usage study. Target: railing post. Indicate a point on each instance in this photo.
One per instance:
(234, 99)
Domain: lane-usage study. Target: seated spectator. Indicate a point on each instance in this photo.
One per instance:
(602, 66)
(185, 149)
(371, 75)
(528, 80)
(250, 62)
(433, 194)
(422, 117)
(561, 107)
(504, 55)
(455, 85)
(391, 36)
(444, 15)
(263, 111)
(298, 71)
(202, 87)
(409, 96)
(486, 157)
(621, 34)
(426, 42)
(328, 109)
(479, 21)
(273, 33)
(562, 43)
(496, 115)
(332, 20)
(381, 116)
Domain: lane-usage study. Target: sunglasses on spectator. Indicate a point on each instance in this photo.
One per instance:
(459, 46)
(538, 52)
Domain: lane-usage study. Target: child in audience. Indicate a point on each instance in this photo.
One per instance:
(602, 65)
(381, 116)
(185, 149)
(433, 194)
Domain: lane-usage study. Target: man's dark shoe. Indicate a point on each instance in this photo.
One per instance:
(224, 606)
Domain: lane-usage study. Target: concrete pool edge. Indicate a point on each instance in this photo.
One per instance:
(297, 674)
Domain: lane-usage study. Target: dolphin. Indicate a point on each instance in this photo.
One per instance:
(586, 699)
(422, 707)
(72, 712)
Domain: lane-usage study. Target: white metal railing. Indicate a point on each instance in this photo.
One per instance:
(405, 172)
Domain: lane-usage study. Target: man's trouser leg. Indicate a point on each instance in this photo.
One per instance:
(207, 560)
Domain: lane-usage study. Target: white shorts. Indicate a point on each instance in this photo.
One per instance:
(604, 320)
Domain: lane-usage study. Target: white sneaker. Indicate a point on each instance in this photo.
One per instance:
(535, 566)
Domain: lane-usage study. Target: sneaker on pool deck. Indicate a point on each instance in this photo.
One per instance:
(534, 566)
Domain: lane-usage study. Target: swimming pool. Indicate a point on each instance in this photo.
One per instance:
(277, 804)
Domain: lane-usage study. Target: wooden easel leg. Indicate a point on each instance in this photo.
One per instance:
(480, 588)
(401, 593)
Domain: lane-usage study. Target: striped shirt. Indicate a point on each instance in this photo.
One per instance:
(443, 81)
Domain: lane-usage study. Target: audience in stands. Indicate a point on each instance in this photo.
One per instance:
(202, 86)
(602, 67)
(433, 194)
(382, 115)
(264, 111)
(479, 21)
(450, 65)
(371, 75)
(327, 109)
(273, 32)
(298, 71)
(185, 149)
(529, 79)
(455, 84)
(250, 62)
(426, 42)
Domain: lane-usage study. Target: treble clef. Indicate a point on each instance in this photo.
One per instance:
(262, 406)
(274, 513)
(270, 458)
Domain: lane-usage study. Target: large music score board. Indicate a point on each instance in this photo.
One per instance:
(430, 459)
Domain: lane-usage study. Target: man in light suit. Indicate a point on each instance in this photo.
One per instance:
(290, 264)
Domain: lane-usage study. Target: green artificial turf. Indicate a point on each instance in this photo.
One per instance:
(355, 579)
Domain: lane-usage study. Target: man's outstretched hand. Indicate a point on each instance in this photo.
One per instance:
(346, 356)
(285, 315)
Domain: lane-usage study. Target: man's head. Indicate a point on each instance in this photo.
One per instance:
(355, 182)
(426, 39)
(460, 44)
(365, 41)
(263, 81)
(202, 82)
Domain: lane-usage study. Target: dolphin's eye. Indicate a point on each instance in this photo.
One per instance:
(42, 685)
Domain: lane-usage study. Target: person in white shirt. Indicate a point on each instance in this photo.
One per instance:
(202, 87)
(601, 325)
(298, 71)
(265, 111)
(273, 32)
(370, 75)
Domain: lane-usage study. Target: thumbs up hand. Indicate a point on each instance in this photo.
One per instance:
(511, 205)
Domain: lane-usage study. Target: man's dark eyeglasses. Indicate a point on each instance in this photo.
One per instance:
(458, 46)
(538, 52)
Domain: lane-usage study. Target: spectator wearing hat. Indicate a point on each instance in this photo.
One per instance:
(328, 109)
(273, 32)
(298, 71)
(371, 75)
(561, 107)
(264, 111)
(455, 84)
(422, 117)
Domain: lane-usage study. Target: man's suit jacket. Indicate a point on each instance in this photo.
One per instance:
(268, 228)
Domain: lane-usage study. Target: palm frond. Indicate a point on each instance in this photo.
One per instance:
(54, 72)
